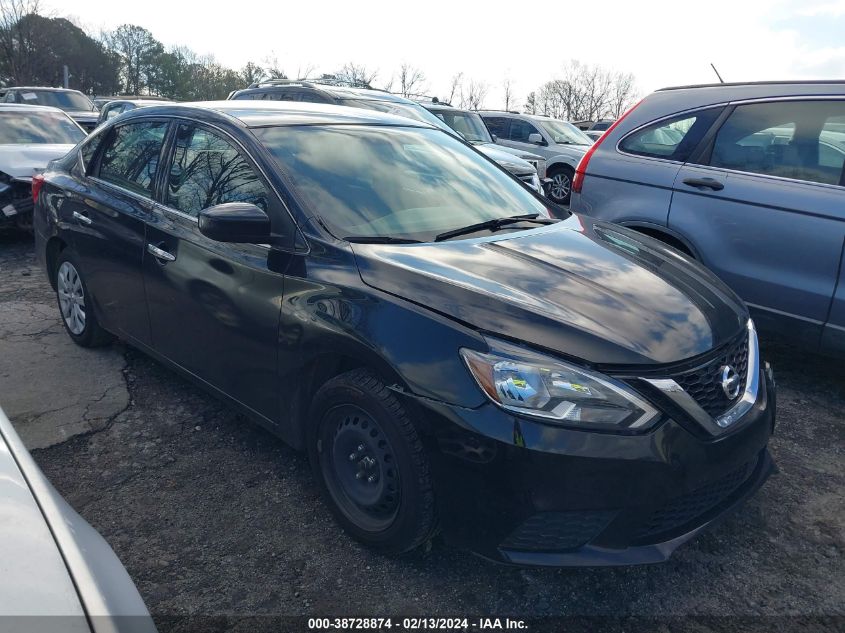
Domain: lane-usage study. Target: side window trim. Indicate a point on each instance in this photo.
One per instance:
(702, 152)
(676, 115)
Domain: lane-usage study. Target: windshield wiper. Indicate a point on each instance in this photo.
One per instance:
(492, 225)
(380, 239)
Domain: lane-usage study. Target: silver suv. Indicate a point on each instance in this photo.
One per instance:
(560, 143)
(748, 179)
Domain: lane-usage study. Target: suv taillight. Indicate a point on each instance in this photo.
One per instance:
(37, 182)
(581, 169)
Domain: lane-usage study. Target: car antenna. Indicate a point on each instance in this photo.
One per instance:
(721, 81)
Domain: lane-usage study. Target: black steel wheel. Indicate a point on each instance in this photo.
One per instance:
(371, 464)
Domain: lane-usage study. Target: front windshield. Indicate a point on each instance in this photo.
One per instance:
(565, 133)
(395, 182)
(408, 110)
(469, 124)
(65, 100)
(38, 127)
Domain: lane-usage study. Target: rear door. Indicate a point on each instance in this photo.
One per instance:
(765, 208)
(518, 135)
(106, 214)
(214, 307)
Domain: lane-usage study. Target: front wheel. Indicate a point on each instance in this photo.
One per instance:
(560, 189)
(371, 464)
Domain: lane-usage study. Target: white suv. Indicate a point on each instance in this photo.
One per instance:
(560, 143)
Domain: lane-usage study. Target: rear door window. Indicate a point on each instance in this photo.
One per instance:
(131, 156)
(672, 139)
(799, 140)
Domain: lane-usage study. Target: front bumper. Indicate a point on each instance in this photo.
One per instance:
(527, 493)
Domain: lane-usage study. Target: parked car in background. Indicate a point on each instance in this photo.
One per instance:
(101, 100)
(58, 574)
(528, 167)
(746, 178)
(77, 105)
(600, 125)
(376, 292)
(559, 142)
(113, 108)
(30, 137)
(331, 93)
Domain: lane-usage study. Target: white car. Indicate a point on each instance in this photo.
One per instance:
(30, 137)
(52, 563)
(560, 143)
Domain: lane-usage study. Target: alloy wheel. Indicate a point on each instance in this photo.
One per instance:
(71, 298)
(561, 184)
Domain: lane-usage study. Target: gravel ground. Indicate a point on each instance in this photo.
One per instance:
(214, 516)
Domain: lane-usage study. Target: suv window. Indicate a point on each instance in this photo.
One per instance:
(801, 140)
(520, 130)
(208, 170)
(497, 125)
(673, 139)
(130, 158)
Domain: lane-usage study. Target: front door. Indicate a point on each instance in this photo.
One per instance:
(214, 307)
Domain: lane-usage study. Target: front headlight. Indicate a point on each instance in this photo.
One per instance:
(535, 183)
(543, 387)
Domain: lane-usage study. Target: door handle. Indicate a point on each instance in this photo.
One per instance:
(704, 183)
(160, 254)
(82, 218)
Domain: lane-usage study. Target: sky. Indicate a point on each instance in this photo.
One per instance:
(660, 43)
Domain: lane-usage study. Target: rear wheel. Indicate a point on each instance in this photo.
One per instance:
(75, 304)
(560, 189)
(371, 463)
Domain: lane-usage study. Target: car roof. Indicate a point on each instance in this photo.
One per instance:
(338, 92)
(272, 113)
(786, 82)
(444, 107)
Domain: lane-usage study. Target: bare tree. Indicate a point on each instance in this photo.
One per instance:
(411, 80)
(455, 86)
(304, 72)
(531, 103)
(273, 69)
(507, 88)
(356, 75)
(585, 92)
(473, 94)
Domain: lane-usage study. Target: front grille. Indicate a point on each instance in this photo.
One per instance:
(684, 509)
(704, 383)
(557, 531)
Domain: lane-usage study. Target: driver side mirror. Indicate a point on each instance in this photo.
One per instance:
(236, 222)
(536, 138)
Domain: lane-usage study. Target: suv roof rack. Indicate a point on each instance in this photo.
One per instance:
(498, 110)
(311, 83)
(421, 98)
(781, 82)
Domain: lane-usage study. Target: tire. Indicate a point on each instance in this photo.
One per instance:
(560, 190)
(75, 306)
(370, 463)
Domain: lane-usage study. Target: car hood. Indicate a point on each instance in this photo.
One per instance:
(23, 161)
(584, 289)
(512, 163)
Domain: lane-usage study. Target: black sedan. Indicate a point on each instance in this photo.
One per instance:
(376, 292)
